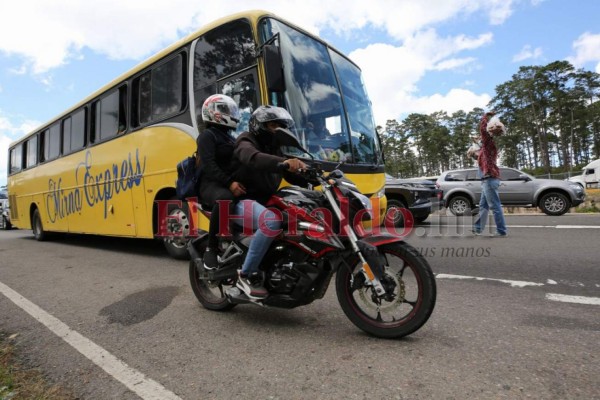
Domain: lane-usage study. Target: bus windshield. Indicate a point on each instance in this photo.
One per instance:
(327, 99)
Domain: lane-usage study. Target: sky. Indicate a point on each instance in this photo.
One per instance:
(416, 55)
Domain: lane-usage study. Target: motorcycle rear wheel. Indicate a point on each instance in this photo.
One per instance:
(415, 294)
(211, 294)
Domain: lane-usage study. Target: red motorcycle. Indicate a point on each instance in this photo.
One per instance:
(383, 284)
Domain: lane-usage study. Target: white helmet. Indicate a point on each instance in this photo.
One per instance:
(221, 110)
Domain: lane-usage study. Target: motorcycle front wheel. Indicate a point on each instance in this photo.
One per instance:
(211, 294)
(413, 300)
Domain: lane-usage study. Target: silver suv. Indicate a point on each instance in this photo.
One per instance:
(462, 191)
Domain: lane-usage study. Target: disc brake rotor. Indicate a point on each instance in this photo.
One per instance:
(365, 294)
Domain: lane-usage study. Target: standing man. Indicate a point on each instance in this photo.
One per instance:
(490, 181)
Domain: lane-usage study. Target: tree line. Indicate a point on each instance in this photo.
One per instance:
(551, 112)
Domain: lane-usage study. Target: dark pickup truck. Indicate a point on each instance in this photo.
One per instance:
(421, 197)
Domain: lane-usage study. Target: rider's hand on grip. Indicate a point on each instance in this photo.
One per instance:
(295, 165)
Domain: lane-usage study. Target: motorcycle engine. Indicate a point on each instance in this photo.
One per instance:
(291, 271)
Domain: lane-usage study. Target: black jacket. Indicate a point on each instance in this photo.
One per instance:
(257, 157)
(215, 147)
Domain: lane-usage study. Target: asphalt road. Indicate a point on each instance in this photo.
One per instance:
(503, 326)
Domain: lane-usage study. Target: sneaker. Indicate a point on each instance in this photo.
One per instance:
(252, 286)
(476, 232)
(210, 258)
(499, 235)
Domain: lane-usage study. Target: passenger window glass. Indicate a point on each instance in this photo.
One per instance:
(589, 171)
(160, 92)
(52, 142)
(456, 176)
(109, 115)
(145, 93)
(167, 88)
(32, 148)
(78, 130)
(16, 159)
(509, 175)
(66, 142)
(223, 51)
(472, 176)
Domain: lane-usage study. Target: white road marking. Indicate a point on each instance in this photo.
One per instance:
(135, 381)
(550, 296)
(556, 226)
(477, 278)
(573, 299)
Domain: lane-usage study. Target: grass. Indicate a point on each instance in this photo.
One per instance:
(19, 383)
(592, 200)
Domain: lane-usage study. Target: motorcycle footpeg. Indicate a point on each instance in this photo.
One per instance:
(236, 296)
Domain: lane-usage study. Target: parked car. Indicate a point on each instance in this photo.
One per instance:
(4, 210)
(421, 197)
(462, 191)
(590, 176)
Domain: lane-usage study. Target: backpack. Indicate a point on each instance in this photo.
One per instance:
(188, 177)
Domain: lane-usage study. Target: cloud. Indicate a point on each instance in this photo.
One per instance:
(587, 49)
(45, 35)
(527, 53)
(391, 74)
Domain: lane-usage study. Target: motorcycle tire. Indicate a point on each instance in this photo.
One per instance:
(211, 294)
(414, 290)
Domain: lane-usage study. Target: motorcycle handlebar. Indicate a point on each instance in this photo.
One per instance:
(311, 173)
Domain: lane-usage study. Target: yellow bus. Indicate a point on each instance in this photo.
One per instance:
(102, 166)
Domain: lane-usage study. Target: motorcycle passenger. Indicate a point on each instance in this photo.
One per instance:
(259, 156)
(221, 115)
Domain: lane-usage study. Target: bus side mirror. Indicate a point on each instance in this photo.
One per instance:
(273, 68)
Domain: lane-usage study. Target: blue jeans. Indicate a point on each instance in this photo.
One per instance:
(262, 237)
(490, 200)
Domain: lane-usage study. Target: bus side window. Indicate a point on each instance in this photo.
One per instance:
(108, 116)
(52, 142)
(159, 92)
(32, 151)
(16, 159)
(78, 130)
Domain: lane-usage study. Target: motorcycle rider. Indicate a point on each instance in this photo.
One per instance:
(221, 115)
(259, 155)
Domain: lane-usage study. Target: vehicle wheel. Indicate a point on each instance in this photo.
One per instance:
(178, 233)
(414, 289)
(38, 228)
(459, 205)
(211, 294)
(554, 203)
(397, 217)
(6, 224)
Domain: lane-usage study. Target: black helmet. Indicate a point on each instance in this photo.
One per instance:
(264, 114)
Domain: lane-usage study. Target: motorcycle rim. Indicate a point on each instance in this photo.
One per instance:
(415, 294)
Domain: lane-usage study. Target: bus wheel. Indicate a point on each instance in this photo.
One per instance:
(178, 231)
(37, 226)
